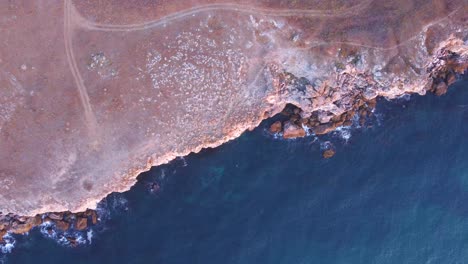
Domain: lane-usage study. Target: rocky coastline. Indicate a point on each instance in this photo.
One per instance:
(449, 64)
(61, 221)
(83, 118)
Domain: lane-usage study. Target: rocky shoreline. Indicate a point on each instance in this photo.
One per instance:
(61, 221)
(118, 99)
(448, 66)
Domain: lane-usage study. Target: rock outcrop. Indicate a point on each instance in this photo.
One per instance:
(62, 221)
(276, 127)
(328, 153)
(292, 130)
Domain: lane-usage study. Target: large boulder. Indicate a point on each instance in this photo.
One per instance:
(293, 131)
(276, 127)
(81, 223)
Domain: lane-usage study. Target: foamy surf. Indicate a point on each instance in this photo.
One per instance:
(115, 202)
(70, 238)
(89, 236)
(343, 132)
(307, 130)
(8, 244)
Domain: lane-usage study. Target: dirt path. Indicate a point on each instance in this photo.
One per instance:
(90, 117)
(220, 7)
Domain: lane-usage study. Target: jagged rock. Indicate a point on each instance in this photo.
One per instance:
(451, 78)
(72, 241)
(294, 118)
(94, 218)
(2, 233)
(55, 216)
(441, 89)
(36, 220)
(62, 225)
(81, 223)
(372, 103)
(17, 228)
(69, 217)
(323, 129)
(293, 131)
(347, 123)
(276, 127)
(21, 219)
(3, 225)
(93, 215)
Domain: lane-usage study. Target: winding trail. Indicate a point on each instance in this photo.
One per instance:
(247, 9)
(84, 23)
(90, 117)
(70, 13)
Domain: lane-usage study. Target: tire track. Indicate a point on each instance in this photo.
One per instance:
(219, 7)
(83, 93)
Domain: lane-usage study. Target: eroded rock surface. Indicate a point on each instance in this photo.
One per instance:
(94, 92)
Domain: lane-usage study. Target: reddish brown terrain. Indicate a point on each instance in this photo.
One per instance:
(94, 92)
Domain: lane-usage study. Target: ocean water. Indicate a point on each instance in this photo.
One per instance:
(396, 192)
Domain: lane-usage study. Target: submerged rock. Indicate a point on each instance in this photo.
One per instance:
(328, 153)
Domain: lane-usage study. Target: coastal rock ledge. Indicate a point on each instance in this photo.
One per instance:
(93, 94)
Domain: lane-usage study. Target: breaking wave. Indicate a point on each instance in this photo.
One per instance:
(7, 245)
(70, 238)
(343, 132)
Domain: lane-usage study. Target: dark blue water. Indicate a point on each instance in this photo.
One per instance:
(394, 193)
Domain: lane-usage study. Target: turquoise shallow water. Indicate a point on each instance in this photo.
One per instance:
(394, 193)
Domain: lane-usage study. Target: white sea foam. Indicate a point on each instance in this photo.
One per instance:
(102, 210)
(119, 203)
(307, 130)
(267, 133)
(9, 244)
(278, 135)
(326, 145)
(47, 229)
(80, 240)
(184, 162)
(405, 97)
(68, 238)
(344, 132)
(111, 204)
(163, 174)
(355, 121)
(315, 139)
(89, 236)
